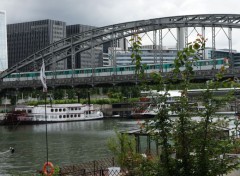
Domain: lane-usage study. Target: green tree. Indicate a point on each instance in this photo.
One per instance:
(58, 94)
(188, 147)
(71, 93)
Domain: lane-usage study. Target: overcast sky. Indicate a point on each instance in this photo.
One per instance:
(105, 12)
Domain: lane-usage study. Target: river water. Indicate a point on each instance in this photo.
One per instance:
(68, 143)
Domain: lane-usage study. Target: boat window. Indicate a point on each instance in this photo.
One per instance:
(79, 108)
(64, 109)
(56, 110)
(75, 108)
(79, 115)
(29, 111)
(60, 116)
(60, 110)
(71, 115)
(64, 116)
(67, 116)
(72, 109)
(51, 110)
(75, 115)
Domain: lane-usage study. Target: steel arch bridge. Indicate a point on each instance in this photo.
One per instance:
(68, 47)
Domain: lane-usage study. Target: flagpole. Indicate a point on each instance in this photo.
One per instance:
(43, 79)
(45, 97)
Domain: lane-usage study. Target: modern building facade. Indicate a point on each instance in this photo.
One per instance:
(3, 42)
(26, 38)
(150, 56)
(77, 28)
(87, 58)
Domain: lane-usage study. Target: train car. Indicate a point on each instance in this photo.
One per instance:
(109, 71)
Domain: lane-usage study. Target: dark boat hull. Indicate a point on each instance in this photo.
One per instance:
(142, 116)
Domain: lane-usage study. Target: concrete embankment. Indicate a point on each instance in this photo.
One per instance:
(115, 110)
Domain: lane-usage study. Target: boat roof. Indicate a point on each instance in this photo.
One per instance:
(62, 105)
(177, 93)
(52, 105)
(171, 93)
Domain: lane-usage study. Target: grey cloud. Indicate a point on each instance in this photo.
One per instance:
(107, 12)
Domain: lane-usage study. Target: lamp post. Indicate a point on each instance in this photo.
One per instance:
(236, 80)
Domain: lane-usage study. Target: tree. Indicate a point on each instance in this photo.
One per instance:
(199, 147)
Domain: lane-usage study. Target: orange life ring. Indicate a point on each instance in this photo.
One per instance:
(45, 170)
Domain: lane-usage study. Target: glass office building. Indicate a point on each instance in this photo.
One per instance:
(26, 38)
(3, 42)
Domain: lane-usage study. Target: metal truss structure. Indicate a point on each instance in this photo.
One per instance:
(68, 47)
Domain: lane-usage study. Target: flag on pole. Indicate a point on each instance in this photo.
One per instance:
(43, 77)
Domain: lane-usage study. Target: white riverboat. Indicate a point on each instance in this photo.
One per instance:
(54, 113)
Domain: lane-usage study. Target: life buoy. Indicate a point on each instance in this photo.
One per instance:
(45, 170)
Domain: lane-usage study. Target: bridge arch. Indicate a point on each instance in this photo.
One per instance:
(68, 47)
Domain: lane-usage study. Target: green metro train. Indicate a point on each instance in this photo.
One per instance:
(108, 71)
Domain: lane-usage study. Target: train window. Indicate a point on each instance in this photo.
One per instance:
(67, 72)
(59, 73)
(88, 71)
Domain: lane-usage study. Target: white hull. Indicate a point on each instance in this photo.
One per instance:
(59, 113)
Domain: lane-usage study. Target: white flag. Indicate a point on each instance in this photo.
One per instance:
(43, 77)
